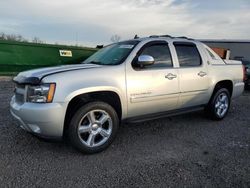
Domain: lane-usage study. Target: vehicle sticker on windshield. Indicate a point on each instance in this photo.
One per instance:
(126, 46)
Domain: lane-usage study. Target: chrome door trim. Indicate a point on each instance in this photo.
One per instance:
(138, 99)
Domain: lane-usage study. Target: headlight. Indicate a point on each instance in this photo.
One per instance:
(248, 70)
(41, 94)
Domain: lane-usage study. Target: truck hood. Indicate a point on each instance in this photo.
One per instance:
(34, 77)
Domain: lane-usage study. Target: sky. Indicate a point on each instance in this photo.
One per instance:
(92, 22)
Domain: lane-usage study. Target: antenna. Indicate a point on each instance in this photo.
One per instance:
(136, 36)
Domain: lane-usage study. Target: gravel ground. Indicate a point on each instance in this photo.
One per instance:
(183, 151)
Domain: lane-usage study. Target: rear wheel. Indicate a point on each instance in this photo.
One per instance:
(93, 127)
(219, 104)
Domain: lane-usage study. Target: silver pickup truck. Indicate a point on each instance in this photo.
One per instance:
(131, 81)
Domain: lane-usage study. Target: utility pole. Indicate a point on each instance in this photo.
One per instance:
(76, 38)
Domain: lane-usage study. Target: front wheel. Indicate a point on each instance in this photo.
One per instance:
(219, 104)
(93, 127)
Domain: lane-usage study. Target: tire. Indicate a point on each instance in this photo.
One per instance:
(93, 127)
(219, 104)
(247, 87)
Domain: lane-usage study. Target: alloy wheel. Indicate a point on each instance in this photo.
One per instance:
(94, 128)
(221, 105)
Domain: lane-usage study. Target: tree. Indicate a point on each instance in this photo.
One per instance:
(115, 38)
(2, 36)
(19, 38)
(37, 40)
(12, 37)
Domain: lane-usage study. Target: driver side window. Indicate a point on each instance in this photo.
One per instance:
(161, 54)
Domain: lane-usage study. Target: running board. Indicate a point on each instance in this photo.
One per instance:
(148, 117)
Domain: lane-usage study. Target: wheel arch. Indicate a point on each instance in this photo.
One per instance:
(109, 96)
(228, 84)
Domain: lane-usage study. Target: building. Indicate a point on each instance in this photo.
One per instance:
(239, 49)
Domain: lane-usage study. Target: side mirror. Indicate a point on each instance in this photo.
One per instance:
(145, 60)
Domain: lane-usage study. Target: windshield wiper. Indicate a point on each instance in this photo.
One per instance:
(95, 62)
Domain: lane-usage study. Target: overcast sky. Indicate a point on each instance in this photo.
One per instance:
(91, 22)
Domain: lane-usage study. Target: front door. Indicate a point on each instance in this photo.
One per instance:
(153, 88)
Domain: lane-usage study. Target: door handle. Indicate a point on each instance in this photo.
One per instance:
(170, 76)
(202, 74)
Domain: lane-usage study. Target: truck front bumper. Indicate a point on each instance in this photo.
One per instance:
(45, 120)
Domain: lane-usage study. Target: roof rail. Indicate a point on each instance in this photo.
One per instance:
(183, 37)
(157, 36)
(154, 36)
(169, 36)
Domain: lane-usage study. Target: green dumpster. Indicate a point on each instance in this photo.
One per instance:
(20, 56)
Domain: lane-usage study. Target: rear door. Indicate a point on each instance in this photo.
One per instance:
(154, 88)
(193, 72)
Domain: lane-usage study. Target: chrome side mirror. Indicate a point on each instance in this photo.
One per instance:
(145, 60)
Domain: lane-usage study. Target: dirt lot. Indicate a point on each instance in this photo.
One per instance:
(183, 151)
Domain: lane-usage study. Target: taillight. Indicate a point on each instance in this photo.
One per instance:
(244, 73)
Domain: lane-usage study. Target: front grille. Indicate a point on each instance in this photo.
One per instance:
(20, 93)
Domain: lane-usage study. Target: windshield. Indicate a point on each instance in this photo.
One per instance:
(113, 54)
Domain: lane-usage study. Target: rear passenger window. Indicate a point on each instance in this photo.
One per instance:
(210, 54)
(188, 55)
